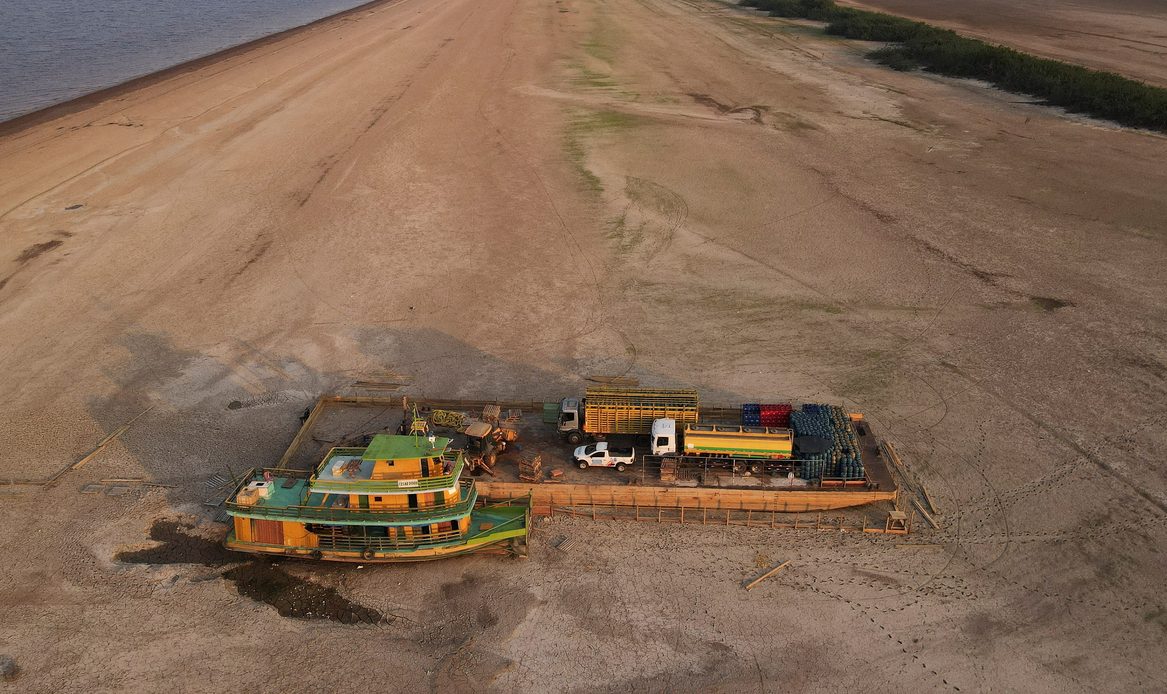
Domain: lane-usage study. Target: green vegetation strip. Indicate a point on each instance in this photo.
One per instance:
(918, 45)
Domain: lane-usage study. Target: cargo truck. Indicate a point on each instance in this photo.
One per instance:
(606, 410)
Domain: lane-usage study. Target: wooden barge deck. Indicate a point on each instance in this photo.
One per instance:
(637, 489)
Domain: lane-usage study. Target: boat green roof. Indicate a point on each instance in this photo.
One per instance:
(398, 447)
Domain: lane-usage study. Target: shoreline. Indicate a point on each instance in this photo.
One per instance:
(80, 103)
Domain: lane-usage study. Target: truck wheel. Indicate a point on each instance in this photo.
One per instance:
(575, 438)
(755, 468)
(620, 467)
(583, 464)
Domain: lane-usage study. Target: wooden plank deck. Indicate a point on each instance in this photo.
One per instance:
(645, 496)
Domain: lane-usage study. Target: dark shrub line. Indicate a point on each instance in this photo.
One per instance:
(918, 45)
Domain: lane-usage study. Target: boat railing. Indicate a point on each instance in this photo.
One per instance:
(467, 497)
(418, 540)
(357, 543)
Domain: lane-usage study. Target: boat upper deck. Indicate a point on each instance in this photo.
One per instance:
(355, 471)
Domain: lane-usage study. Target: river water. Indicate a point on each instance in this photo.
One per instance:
(55, 50)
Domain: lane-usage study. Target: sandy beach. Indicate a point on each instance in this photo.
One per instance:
(497, 200)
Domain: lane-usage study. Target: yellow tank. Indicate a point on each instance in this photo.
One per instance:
(737, 441)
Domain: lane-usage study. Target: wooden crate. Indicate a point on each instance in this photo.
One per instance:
(531, 469)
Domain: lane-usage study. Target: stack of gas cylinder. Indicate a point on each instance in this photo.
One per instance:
(777, 415)
(842, 459)
(751, 415)
(772, 415)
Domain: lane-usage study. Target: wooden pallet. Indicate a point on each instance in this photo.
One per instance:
(531, 469)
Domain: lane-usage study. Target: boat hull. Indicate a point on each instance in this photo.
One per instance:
(506, 534)
(515, 546)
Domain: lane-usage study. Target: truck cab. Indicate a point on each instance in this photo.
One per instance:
(664, 436)
(571, 420)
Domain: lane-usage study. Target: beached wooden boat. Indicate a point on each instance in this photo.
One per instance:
(401, 498)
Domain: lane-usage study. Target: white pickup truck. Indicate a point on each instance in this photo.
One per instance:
(601, 455)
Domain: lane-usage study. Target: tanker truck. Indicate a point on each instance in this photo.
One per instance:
(723, 445)
(606, 410)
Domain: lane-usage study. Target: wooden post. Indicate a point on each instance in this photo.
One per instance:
(924, 514)
(928, 500)
(768, 574)
(294, 447)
